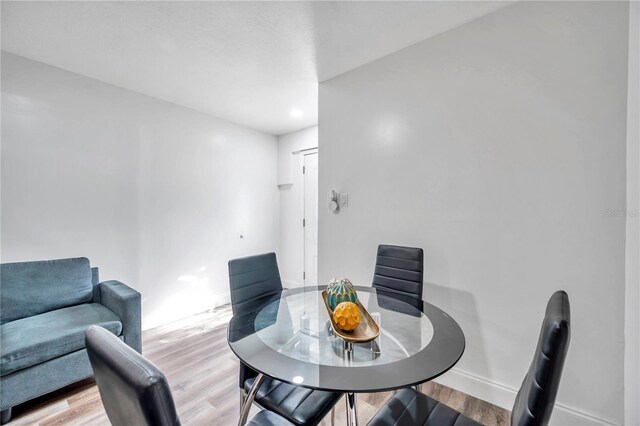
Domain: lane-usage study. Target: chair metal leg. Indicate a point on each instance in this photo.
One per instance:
(243, 397)
(333, 416)
(244, 412)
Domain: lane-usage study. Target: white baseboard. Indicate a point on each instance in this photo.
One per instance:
(167, 317)
(504, 396)
(291, 284)
(224, 300)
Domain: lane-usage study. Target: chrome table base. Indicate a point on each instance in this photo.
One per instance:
(352, 409)
(351, 399)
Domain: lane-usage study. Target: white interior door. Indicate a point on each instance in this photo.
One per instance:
(310, 222)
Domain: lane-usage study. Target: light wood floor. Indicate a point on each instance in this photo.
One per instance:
(203, 373)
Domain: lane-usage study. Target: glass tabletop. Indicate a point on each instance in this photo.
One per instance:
(288, 336)
(302, 330)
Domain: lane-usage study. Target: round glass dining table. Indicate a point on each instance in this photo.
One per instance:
(288, 336)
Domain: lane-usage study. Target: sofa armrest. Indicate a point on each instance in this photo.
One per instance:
(126, 303)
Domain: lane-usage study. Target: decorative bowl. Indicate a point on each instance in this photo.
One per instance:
(366, 331)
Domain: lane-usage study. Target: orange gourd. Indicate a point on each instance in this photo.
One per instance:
(347, 316)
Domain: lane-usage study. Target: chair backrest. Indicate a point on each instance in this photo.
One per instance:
(253, 280)
(399, 271)
(537, 395)
(133, 390)
(32, 288)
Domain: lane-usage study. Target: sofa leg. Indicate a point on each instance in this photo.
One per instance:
(6, 416)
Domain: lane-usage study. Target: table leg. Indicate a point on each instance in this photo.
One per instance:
(348, 350)
(352, 409)
(244, 413)
(350, 398)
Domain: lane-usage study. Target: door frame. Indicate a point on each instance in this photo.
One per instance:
(304, 152)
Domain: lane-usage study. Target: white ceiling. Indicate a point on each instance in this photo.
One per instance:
(247, 62)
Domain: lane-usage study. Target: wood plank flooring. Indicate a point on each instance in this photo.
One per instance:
(203, 373)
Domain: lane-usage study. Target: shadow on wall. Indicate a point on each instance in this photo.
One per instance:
(461, 305)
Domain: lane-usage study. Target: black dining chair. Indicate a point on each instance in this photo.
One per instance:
(398, 273)
(254, 282)
(134, 391)
(535, 399)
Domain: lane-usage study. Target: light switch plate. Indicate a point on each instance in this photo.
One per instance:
(344, 200)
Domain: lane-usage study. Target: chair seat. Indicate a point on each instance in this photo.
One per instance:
(299, 405)
(268, 418)
(33, 340)
(410, 408)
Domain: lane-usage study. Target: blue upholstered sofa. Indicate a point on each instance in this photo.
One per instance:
(45, 309)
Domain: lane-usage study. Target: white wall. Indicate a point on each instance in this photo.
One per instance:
(154, 194)
(498, 147)
(291, 186)
(632, 287)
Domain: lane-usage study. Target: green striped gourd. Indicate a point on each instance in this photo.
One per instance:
(340, 290)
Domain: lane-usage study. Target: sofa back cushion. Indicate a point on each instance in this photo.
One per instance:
(32, 288)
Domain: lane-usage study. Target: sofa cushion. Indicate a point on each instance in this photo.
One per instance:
(33, 340)
(32, 288)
